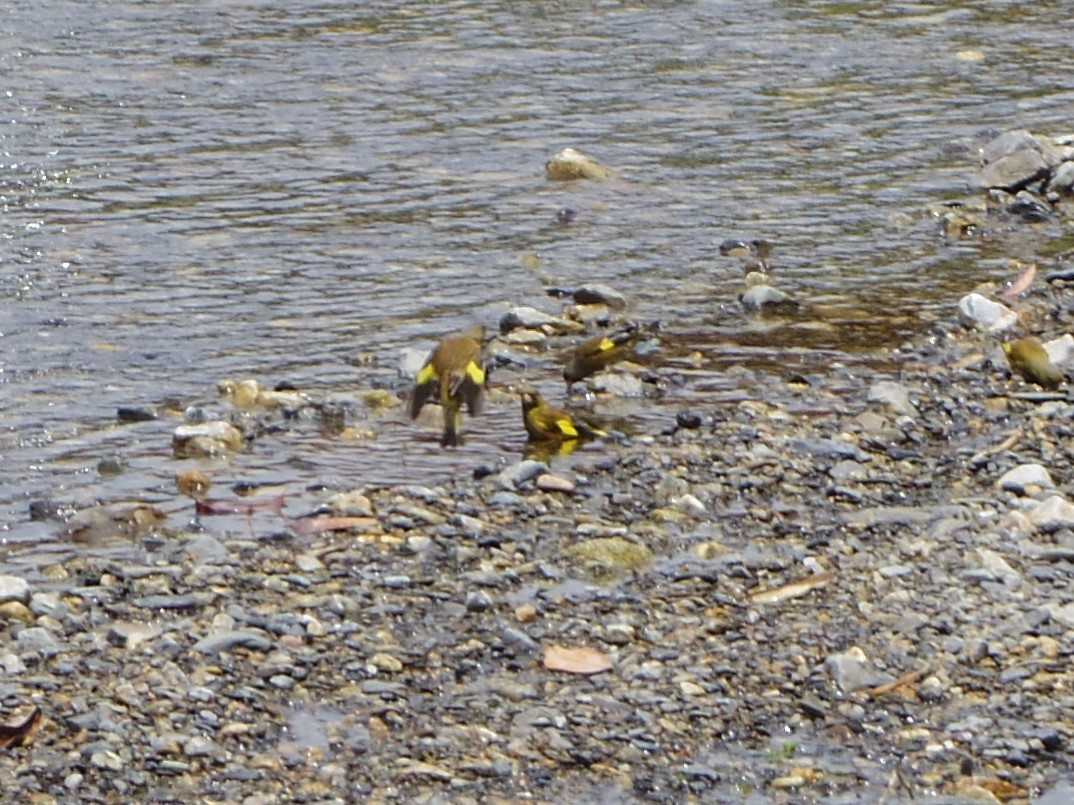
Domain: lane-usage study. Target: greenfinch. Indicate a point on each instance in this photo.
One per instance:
(455, 370)
(1029, 358)
(600, 352)
(546, 423)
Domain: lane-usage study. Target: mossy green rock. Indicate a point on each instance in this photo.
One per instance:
(610, 557)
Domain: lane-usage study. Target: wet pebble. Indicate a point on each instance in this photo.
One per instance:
(597, 294)
(135, 413)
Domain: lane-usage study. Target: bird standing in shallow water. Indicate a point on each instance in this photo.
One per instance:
(455, 371)
(546, 423)
(600, 352)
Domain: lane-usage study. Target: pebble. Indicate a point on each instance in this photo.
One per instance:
(982, 312)
(547, 482)
(892, 395)
(597, 294)
(207, 550)
(689, 420)
(478, 601)
(851, 671)
(13, 588)
(38, 640)
(1023, 476)
(16, 611)
(199, 746)
(386, 663)
(762, 297)
(618, 634)
(106, 760)
(135, 413)
(1052, 514)
(519, 473)
(616, 384)
(529, 318)
(688, 504)
(130, 635)
(228, 641)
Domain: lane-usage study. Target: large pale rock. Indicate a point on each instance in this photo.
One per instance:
(981, 312)
(1060, 350)
(13, 588)
(1062, 180)
(1026, 475)
(852, 671)
(1052, 514)
(1016, 159)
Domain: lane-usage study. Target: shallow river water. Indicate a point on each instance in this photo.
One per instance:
(295, 191)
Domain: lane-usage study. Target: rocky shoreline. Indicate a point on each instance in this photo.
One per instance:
(841, 589)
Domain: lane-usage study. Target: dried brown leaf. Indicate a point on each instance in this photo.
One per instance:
(579, 660)
(792, 590)
(899, 686)
(20, 733)
(1020, 285)
(314, 525)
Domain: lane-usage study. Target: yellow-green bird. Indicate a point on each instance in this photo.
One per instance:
(455, 370)
(1029, 358)
(546, 423)
(600, 352)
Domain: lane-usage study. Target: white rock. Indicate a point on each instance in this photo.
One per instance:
(216, 432)
(982, 312)
(688, 504)
(411, 359)
(894, 395)
(351, 504)
(1061, 614)
(547, 482)
(997, 566)
(1052, 514)
(1020, 477)
(13, 588)
(1060, 350)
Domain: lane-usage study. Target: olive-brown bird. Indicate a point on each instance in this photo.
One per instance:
(1029, 358)
(600, 352)
(546, 423)
(455, 371)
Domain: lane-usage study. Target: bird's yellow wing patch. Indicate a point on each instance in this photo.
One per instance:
(606, 344)
(566, 427)
(475, 373)
(426, 375)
